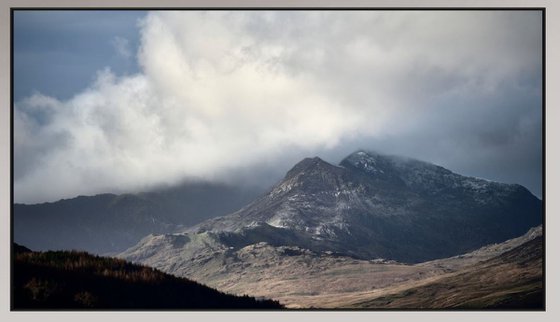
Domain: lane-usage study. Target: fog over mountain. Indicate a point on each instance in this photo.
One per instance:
(241, 96)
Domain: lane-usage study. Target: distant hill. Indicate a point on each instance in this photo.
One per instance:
(78, 280)
(109, 223)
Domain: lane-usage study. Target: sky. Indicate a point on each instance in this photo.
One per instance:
(125, 101)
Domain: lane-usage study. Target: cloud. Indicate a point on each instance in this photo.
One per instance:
(57, 52)
(222, 92)
(122, 47)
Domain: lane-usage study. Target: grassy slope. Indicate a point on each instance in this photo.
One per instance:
(75, 280)
(512, 280)
(302, 279)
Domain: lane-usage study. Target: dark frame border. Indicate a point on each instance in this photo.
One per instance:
(306, 8)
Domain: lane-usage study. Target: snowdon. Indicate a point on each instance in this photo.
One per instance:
(370, 206)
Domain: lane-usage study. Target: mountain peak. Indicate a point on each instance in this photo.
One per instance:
(309, 164)
(362, 156)
(312, 161)
(381, 168)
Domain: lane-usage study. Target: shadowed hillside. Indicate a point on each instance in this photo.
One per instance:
(78, 280)
(109, 223)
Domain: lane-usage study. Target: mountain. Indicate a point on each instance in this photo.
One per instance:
(110, 223)
(326, 229)
(78, 280)
(378, 206)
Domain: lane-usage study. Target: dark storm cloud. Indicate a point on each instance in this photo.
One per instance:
(494, 135)
(242, 96)
(58, 52)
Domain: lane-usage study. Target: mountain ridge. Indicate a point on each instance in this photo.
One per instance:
(382, 201)
(110, 223)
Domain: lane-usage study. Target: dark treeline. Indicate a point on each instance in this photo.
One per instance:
(78, 280)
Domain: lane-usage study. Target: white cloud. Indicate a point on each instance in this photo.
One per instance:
(221, 91)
